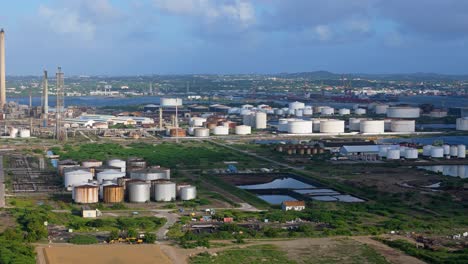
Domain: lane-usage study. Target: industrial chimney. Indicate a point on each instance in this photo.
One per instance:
(2, 70)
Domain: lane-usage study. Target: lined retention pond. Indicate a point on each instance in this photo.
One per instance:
(290, 188)
(448, 170)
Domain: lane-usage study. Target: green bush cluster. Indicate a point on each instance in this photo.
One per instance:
(83, 240)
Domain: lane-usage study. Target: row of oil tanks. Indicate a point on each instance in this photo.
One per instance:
(396, 152)
(447, 151)
(317, 125)
(14, 132)
(300, 149)
(135, 191)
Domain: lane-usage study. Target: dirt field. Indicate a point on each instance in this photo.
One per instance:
(103, 254)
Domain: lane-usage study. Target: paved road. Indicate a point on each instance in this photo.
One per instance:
(2, 184)
(172, 218)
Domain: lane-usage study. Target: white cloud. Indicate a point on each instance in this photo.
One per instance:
(239, 13)
(67, 21)
(322, 32)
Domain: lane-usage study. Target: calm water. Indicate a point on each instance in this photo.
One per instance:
(449, 170)
(437, 101)
(311, 192)
(276, 199)
(338, 198)
(452, 140)
(91, 100)
(283, 183)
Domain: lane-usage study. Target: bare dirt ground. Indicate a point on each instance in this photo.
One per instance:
(305, 250)
(104, 254)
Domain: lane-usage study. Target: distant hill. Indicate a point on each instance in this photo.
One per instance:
(416, 77)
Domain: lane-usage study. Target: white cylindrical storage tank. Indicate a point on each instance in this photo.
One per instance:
(383, 151)
(188, 193)
(403, 125)
(411, 153)
(197, 121)
(461, 151)
(299, 127)
(355, 124)
(243, 130)
(381, 109)
(393, 154)
(344, 111)
(191, 131)
(122, 164)
(327, 111)
(220, 131)
(454, 151)
(437, 152)
(260, 120)
(462, 124)
(91, 163)
(283, 125)
(279, 112)
(151, 174)
(109, 175)
(25, 133)
(372, 126)
(446, 149)
(427, 150)
(13, 132)
(402, 151)
(299, 112)
(170, 102)
(164, 191)
(316, 124)
(201, 132)
(244, 112)
(76, 177)
(296, 105)
(139, 192)
(360, 111)
(332, 126)
(403, 112)
(308, 111)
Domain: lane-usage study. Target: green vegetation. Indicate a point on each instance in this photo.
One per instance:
(14, 249)
(83, 240)
(428, 255)
(187, 155)
(252, 254)
(150, 238)
(144, 223)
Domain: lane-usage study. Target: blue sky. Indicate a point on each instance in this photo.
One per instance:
(131, 37)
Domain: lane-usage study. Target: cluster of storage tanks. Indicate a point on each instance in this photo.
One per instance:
(204, 127)
(445, 151)
(395, 152)
(92, 182)
(14, 132)
(363, 125)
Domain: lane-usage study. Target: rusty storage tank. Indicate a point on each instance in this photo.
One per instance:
(139, 192)
(66, 164)
(178, 132)
(113, 194)
(137, 163)
(86, 194)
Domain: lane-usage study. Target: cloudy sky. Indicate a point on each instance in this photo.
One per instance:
(235, 36)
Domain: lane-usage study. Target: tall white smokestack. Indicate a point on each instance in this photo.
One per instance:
(2, 70)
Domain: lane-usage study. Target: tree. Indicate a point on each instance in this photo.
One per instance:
(132, 233)
(150, 238)
(114, 234)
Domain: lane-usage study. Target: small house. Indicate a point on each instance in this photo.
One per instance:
(293, 205)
